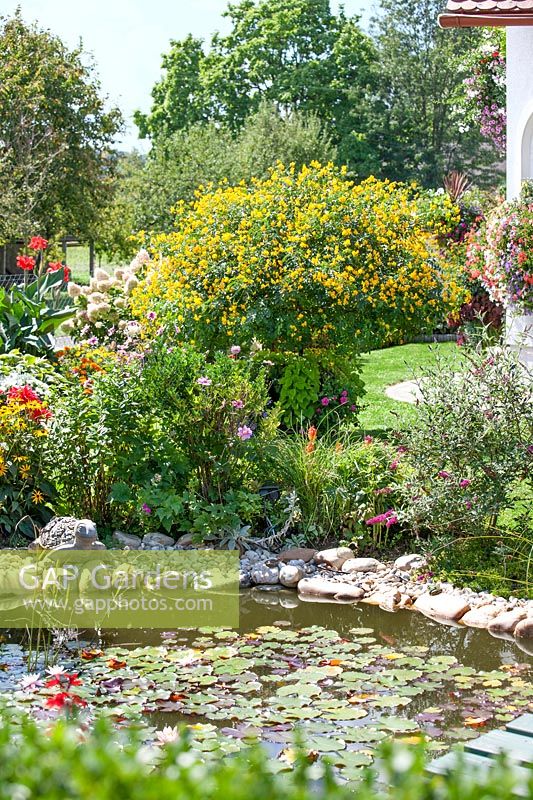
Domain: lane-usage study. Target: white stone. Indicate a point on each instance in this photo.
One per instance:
(361, 565)
(127, 540)
(336, 590)
(334, 557)
(506, 622)
(290, 575)
(524, 629)
(443, 606)
(409, 562)
(152, 539)
(261, 574)
(480, 617)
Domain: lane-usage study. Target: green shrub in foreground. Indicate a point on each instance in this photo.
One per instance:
(67, 763)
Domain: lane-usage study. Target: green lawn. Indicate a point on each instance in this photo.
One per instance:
(78, 261)
(383, 368)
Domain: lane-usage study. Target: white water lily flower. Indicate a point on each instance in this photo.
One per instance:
(55, 671)
(167, 735)
(31, 682)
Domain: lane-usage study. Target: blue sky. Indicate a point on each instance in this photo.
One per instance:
(127, 37)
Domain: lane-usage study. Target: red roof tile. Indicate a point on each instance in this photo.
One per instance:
(487, 12)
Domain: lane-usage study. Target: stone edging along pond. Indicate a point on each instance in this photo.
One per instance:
(338, 575)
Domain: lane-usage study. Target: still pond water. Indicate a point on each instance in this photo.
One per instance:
(347, 676)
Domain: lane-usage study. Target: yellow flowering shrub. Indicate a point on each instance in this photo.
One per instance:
(24, 496)
(302, 260)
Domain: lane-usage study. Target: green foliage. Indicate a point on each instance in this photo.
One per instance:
(23, 369)
(29, 316)
(469, 445)
(294, 53)
(338, 480)
(414, 131)
(107, 765)
(299, 389)
(55, 135)
(147, 189)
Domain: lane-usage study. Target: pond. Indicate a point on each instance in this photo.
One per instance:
(347, 676)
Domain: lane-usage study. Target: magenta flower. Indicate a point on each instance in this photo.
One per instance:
(146, 509)
(237, 404)
(244, 432)
(444, 474)
(464, 483)
(343, 399)
(393, 466)
(151, 315)
(203, 381)
(368, 440)
(353, 408)
(325, 401)
(468, 504)
(388, 518)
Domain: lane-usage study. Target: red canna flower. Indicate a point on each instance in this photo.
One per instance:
(55, 266)
(27, 263)
(37, 243)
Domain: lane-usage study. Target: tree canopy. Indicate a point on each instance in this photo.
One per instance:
(55, 135)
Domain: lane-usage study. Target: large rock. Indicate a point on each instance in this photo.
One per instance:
(68, 533)
(185, 541)
(481, 616)
(361, 565)
(524, 629)
(290, 575)
(336, 590)
(506, 623)
(305, 554)
(443, 606)
(262, 574)
(409, 562)
(127, 540)
(157, 540)
(334, 557)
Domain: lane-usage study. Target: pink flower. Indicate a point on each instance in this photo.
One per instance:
(343, 399)
(464, 483)
(237, 404)
(388, 518)
(393, 466)
(151, 315)
(325, 401)
(444, 474)
(468, 505)
(146, 509)
(203, 381)
(244, 432)
(353, 408)
(235, 350)
(368, 440)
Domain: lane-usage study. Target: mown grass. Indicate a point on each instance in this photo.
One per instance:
(384, 368)
(78, 261)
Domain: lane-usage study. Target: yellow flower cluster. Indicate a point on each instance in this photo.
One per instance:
(301, 259)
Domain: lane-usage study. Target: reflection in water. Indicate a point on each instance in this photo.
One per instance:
(472, 647)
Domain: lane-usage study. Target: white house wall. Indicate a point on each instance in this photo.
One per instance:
(519, 108)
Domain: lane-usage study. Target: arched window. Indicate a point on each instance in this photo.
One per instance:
(527, 150)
